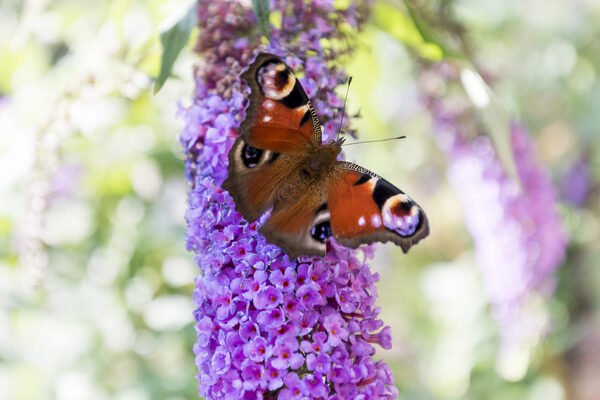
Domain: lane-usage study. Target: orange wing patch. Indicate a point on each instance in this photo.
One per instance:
(353, 211)
(279, 128)
(365, 208)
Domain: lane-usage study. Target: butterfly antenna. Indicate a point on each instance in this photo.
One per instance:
(344, 109)
(373, 141)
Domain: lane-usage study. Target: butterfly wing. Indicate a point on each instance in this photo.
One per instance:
(366, 208)
(355, 206)
(254, 176)
(280, 117)
(301, 227)
(280, 123)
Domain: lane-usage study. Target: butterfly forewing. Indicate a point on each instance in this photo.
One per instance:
(280, 116)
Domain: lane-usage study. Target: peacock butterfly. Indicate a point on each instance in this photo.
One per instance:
(279, 161)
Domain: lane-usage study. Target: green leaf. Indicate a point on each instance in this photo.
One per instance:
(261, 9)
(397, 23)
(173, 41)
(430, 35)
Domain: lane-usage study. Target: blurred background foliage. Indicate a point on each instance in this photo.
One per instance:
(95, 283)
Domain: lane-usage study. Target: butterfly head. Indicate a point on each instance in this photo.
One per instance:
(337, 143)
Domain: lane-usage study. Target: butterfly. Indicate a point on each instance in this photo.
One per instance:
(279, 162)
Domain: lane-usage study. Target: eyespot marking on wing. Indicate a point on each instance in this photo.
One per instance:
(251, 156)
(276, 81)
(295, 97)
(321, 232)
(321, 226)
(401, 215)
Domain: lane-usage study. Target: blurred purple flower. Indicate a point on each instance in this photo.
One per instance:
(66, 179)
(269, 327)
(577, 183)
(519, 238)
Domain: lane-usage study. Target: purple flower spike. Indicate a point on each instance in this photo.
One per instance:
(577, 183)
(269, 327)
(519, 237)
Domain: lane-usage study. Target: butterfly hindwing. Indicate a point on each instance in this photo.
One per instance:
(355, 206)
(280, 116)
(300, 228)
(366, 208)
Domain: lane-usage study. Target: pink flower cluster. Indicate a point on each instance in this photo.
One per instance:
(519, 237)
(269, 327)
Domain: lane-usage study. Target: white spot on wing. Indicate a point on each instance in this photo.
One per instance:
(271, 93)
(376, 220)
(362, 221)
(268, 104)
(266, 118)
(387, 218)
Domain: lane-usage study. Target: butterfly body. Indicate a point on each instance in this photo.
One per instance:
(280, 163)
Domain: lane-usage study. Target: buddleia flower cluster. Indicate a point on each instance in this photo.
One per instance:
(519, 237)
(269, 327)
